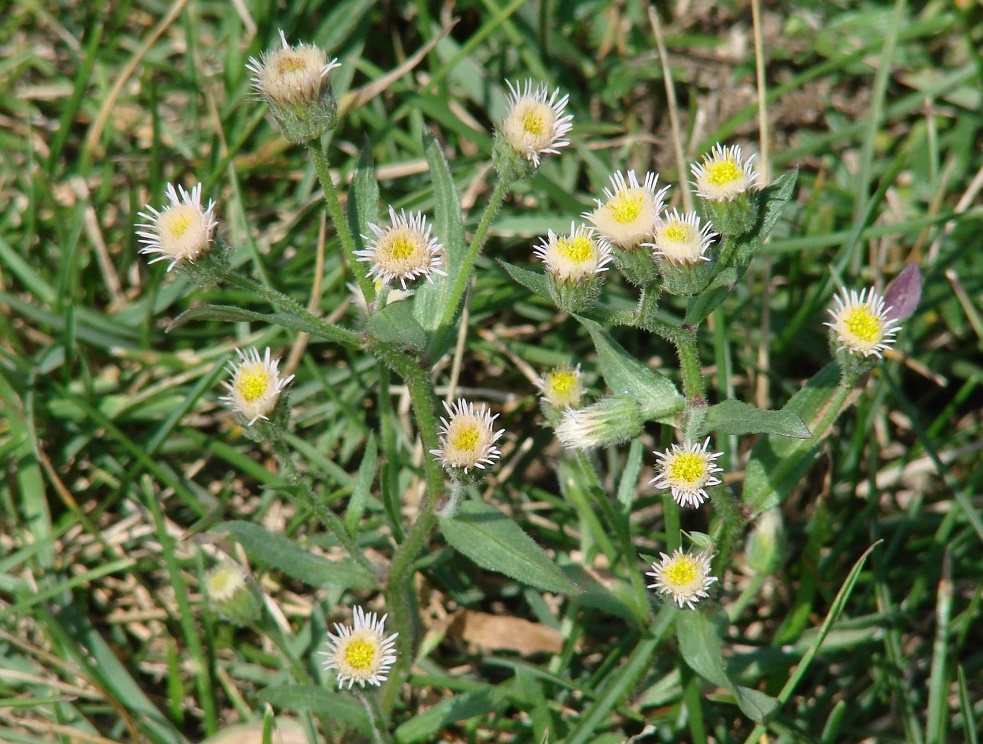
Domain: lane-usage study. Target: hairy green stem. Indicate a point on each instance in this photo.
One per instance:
(689, 365)
(285, 304)
(330, 520)
(477, 243)
(340, 221)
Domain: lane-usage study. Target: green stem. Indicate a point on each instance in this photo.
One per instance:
(689, 365)
(340, 221)
(331, 520)
(463, 273)
(380, 731)
(285, 304)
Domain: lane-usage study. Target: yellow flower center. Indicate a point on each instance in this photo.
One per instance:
(533, 122)
(466, 438)
(625, 208)
(724, 172)
(176, 220)
(863, 324)
(562, 382)
(686, 467)
(252, 384)
(402, 248)
(359, 654)
(577, 249)
(681, 572)
(677, 232)
(287, 63)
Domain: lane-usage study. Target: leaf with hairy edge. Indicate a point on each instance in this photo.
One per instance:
(778, 463)
(284, 554)
(735, 417)
(395, 324)
(233, 314)
(430, 298)
(700, 645)
(362, 487)
(496, 543)
(531, 280)
(363, 197)
(320, 701)
(655, 394)
(472, 704)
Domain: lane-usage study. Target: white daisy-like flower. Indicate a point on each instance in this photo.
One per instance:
(467, 438)
(724, 174)
(180, 232)
(627, 215)
(224, 581)
(563, 386)
(687, 470)
(404, 250)
(574, 257)
(361, 652)
(256, 385)
(293, 76)
(535, 123)
(680, 239)
(685, 577)
(862, 324)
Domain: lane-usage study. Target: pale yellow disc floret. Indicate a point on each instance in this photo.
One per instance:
(361, 653)
(255, 386)
(563, 386)
(535, 123)
(687, 471)
(179, 233)
(861, 323)
(573, 257)
(681, 239)
(404, 250)
(684, 577)
(292, 76)
(630, 210)
(724, 174)
(467, 437)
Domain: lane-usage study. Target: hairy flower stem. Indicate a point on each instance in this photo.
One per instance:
(380, 730)
(340, 222)
(399, 588)
(330, 520)
(312, 324)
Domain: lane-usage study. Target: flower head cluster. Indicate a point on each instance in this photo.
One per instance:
(724, 174)
(563, 386)
(256, 385)
(404, 250)
(680, 238)
(182, 231)
(467, 437)
(535, 123)
(294, 83)
(684, 577)
(629, 212)
(574, 257)
(361, 652)
(688, 471)
(861, 323)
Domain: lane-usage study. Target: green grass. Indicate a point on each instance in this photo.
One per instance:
(120, 462)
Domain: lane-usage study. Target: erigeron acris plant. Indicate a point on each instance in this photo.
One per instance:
(696, 257)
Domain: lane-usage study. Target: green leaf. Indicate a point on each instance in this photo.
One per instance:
(735, 417)
(362, 487)
(531, 280)
(700, 646)
(320, 701)
(496, 543)
(655, 394)
(395, 324)
(423, 726)
(363, 197)
(778, 463)
(431, 298)
(284, 554)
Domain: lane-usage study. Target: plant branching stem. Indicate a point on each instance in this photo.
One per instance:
(340, 221)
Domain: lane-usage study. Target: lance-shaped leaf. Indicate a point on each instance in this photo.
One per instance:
(363, 197)
(232, 314)
(735, 417)
(496, 543)
(395, 324)
(341, 707)
(284, 554)
(656, 396)
(531, 280)
(903, 293)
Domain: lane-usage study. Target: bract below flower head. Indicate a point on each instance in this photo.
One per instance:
(861, 323)
(256, 385)
(180, 232)
(724, 174)
(681, 239)
(687, 470)
(535, 123)
(563, 386)
(467, 437)
(574, 257)
(361, 653)
(628, 215)
(685, 577)
(292, 76)
(404, 250)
